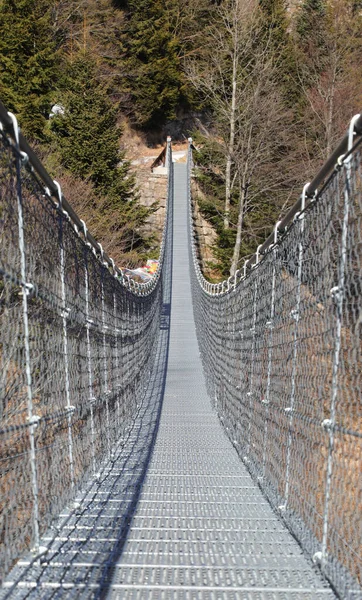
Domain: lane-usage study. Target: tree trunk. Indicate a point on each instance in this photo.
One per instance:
(230, 150)
(330, 110)
(236, 254)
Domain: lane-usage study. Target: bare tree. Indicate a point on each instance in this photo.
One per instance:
(330, 75)
(237, 76)
(219, 74)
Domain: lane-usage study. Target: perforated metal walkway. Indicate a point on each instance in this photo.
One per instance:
(202, 528)
(182, 519)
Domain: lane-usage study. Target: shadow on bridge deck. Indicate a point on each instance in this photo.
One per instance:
(84, 546)
(178, 517)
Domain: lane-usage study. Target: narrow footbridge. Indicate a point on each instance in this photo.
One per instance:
(180, 439)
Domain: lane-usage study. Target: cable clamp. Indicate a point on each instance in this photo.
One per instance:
(336, 293)
(70, 409)
(352, 133)
(282, 508)
(16, 127)
(294, 313)
(298, 216)
(317, 558)
(340, 161)
(288, 410)
(258, 254)
(34, 420)
(60, 195)
(101, 250)
(304, 197)
(47, 192)
(27, 288)
(85, 230)
(276, 233)
(24, 158)
(113, 267)
(327, 424)
(39, 551)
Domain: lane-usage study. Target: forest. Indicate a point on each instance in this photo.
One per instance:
(265, 88)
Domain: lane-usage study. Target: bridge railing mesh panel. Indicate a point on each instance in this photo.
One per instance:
(282, 355)
(76, 351)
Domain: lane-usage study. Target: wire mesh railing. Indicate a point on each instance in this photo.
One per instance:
(282, 353)
(77, 344)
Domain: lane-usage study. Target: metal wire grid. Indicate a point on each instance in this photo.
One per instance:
(282, 354)
(76, 351)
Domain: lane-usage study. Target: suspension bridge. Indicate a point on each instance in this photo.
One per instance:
(177, 438)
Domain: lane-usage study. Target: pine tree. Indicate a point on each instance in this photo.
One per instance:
(154, 76)
(28, 62)
(275, 22)
(277, 39)
(328, 37)
(87, 136)
(311, 25)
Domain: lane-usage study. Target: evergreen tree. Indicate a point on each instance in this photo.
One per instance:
(28, 62)
(154, 76)
(328, 38)
(87, 136)
(311, 27)
(246, 152)
(275, 22)
(277, 39)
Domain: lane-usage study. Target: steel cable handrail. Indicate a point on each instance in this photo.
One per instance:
(77, 345)
(10, 127)
(282, 354)
(338, 158)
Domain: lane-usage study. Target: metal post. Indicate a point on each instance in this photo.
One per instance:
(26, 287)
(65, 312)
(168, 153)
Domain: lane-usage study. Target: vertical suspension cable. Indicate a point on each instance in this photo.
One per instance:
(105, 365)
(251, 383)
(270, 324)
(89, 323)
(65, 346)
(32, 418)
(296, 315)
(338, 296)
(117, 374)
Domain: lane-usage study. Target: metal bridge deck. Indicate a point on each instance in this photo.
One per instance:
(181, 521)
(202, 528)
